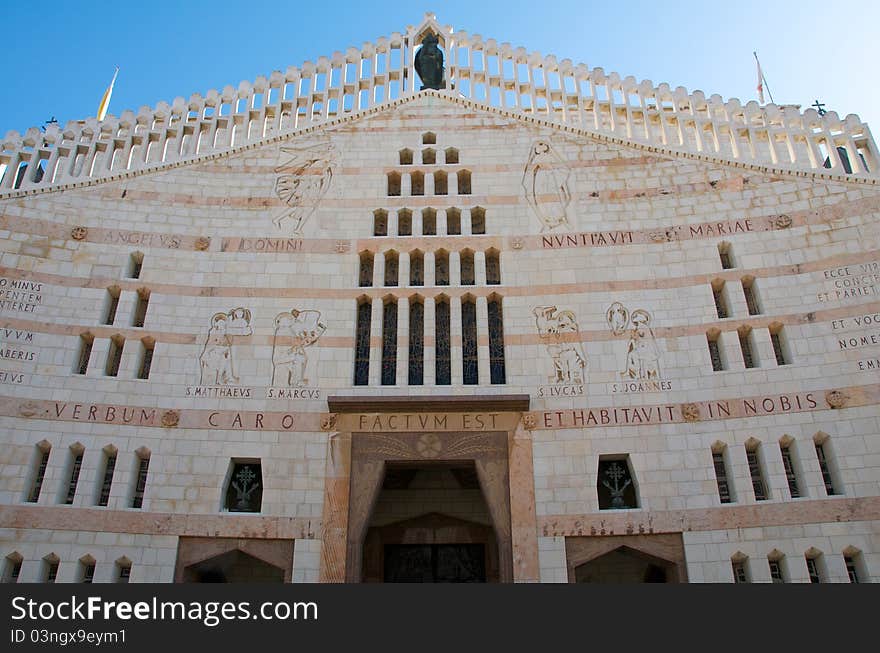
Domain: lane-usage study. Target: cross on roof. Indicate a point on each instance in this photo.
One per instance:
(820, 107)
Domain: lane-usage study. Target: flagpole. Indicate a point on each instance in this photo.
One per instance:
(105, 101)
(761, 78)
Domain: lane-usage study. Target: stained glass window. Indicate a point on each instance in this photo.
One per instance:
(393, 184)
(725, 253)
(825, 468)
(37, 486)
(493, 268)
(406, 157)
(751, 297)
(137, 500)
(362, 344)
(380, 223)
(416, 342)
(443, 354)
(429, 156)
(416, 268)
(114, 357)
(615, 484)
(85, 352)
(365, 276)
(464, 182)
(146, 358)
(497, 372)
(790, 473)
(721, 476)
(112, 305)
(757, 474)
(478, 220)
(244, 493)
(389, 343)
(451, 155)
(470, 372)
(441, 268)
(74, 477)
(467, 268)
(453, 222)
(429, 222)
(745, 343)
(417, 179)
(107, 483)
(778, 348)
(720, 302)
(441, 183)
(715, 353)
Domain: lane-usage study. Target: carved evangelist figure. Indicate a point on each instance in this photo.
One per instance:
(642, 350)
(559, 332)
(215, 362)
(294, 331)
(545, 182)
(303, 179)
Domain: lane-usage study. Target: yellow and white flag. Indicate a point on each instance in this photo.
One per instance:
(105, 101)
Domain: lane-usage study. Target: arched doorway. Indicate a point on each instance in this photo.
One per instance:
(233, 567)
(625, 565)
(648, 558)
(233, 560)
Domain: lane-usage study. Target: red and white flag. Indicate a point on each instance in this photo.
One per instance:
(760, 81)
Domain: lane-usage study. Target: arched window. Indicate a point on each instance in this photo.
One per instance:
(467, 267)
(497, 372)
(365, 275)
(443, 353)
(429, 156)
(453, 222)
(441, 268)
(429, 138)
(470, 371)
(416, 341)
(404, 222)
(451, 155)
(417, 180)
(429, 222)
(416, 268)
(478, 220)
(406, 157)
(441, 183)
(389, 341)
(380, 223)
(362, 343)
(391, 268)
(394, 184)
(464, 182)
(493, 267)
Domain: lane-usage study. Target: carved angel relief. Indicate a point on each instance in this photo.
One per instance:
(303, 179)
(546, 185)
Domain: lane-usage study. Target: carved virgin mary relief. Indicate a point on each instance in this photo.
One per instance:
(546, 184)
(304, 176)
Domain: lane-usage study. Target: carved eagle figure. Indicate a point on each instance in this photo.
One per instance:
(302, 181)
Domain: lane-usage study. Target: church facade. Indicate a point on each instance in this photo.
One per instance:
(508, 319)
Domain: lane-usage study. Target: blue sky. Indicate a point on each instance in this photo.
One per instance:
(60, 55)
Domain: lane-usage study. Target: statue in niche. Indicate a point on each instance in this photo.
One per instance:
(429, 63)
(642, 350)
(294, 331)
(303, 180)
(558, 330)
(545, 182)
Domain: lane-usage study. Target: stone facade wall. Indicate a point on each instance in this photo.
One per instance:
(640, 234)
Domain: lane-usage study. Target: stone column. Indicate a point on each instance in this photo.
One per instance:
(483, 341)
(441, 222)
(417, 224)
(376, 342)
(479, 268)
(429, 183)
(466, 223)
(454, 269)
(430, 377)
(402, 372)
(393, 223)
(430, 269)
(379, 269)
(455, 340)
(334, 528)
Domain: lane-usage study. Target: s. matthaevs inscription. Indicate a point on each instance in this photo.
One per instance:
(641, 369)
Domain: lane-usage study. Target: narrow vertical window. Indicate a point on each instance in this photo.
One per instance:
(123, 571)
(745, 344)
(785, 447)
(715, 351)
(451, 155)
(391, 268)
(780, 346)
(107, 478)
(86, 341)
(466, 259)
(740, 573)
(720, 300)
(469, 341)
(406, 157)
(87, 571)
(40, 472)
(813, 567)
(12, 568)
(751, 294)
(497, 372)
(478, 220)
(73, 478)
(362, 344)
(441, 268)
(429, 156)
(140, 481)
(365, 273)
(380, 223)
(725, 253)
(755, 471)
(416, 341)
(429, 222)
(453, 222)
(464, 182)
(615, 483)
(114, 356)
(148, 346)
(416, 268)
(441, 183)
(404, 222)
(854, 562)
(112, 303)
(394, 184)
(135, 265)
(389, 342)
(721, 476)
(429, 138)
(417, 179)
(140, 307)
(823, 447)
(244, 490)
(777, 573)
(50, 569)
(493, 267)
(442, 324)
